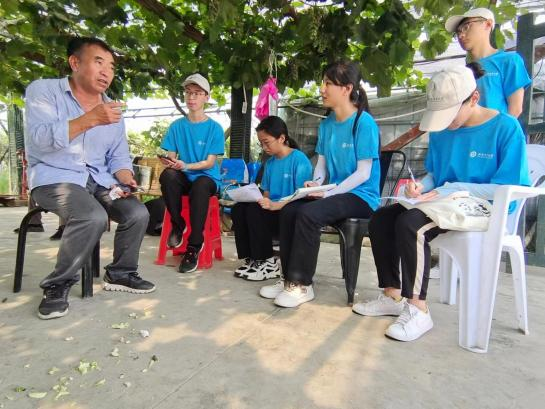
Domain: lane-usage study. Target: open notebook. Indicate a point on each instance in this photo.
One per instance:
(305, 191)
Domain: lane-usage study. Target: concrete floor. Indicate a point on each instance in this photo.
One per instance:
(219, 345)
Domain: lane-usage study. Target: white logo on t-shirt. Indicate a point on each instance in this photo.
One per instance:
(347, 145)
(286, 175)
(481, 155)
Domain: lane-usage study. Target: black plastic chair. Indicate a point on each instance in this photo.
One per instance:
(352, 231)
(90, 269)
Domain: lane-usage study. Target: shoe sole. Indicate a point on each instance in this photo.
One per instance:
(408, 339)
(122, 288)
(55, 314)
(304, 300)
(266, 276)
(376, 314)
(271, 297)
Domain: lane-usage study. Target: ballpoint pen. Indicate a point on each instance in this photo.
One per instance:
(411, 174)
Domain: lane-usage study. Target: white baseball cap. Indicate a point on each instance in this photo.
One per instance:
(454, 21)
(445, 93)
(199, 80)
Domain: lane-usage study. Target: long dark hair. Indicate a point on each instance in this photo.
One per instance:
(276, 127)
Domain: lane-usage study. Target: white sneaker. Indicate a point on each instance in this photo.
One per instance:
(263, 270)
(411, 324)
(272, 291)
(383, 305)
(294, 295)
(243, 269)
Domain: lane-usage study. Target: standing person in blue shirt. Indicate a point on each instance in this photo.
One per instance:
(77, 152)
(502, 86)
(471, 148)
(348, 155)
(193, 144)
(255, 224)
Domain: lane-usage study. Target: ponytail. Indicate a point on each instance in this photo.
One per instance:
(477, 69)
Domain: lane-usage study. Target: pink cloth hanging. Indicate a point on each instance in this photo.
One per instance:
(267, 96)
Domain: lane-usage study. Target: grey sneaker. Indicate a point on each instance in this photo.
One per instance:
(54, 302)
(130, 283)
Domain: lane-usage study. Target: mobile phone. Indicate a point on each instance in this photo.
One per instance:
(164, 157)
(130, 189)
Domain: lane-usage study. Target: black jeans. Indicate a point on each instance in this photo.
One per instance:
(174, 184)
(398, 234)
(254, 229)
(300, 224)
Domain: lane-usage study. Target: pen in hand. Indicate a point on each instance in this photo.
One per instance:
(411, 174)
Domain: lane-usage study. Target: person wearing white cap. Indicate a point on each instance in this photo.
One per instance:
(502, 86)
(471, 148)
(192, 144)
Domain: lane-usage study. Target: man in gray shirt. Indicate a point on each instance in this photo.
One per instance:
(77, 155)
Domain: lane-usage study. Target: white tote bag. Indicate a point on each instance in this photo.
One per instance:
(457, 211)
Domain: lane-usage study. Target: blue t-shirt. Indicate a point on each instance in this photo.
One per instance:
(504, 74)
(493, 152)
(194, 142)
(284, 176)
(342, 150)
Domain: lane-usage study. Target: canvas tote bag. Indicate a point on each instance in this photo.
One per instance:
(458, 211)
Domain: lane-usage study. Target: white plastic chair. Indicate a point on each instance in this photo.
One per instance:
(477, 255)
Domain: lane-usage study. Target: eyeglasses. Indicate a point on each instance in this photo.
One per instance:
(193, 94)
(463, 28)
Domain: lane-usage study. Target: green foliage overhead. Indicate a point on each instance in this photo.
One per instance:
(160, 42)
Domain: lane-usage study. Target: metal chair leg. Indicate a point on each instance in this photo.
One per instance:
(21, 244)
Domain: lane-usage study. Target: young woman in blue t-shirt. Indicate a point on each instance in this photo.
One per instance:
(471, 148)
(255, 224)
(348, 155)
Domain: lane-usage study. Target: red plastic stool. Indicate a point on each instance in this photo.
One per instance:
(212, 235)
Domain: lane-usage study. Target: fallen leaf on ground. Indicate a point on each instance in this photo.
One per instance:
(144, 333)
(121, 325)
(133, 315)
(115, 352)
(127, 384)
(53, 370)
(37, 395)
(85, 366)
(19, 389)
(69, 338)
(101, 382)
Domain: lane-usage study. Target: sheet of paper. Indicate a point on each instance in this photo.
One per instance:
(248, 193)
(402, 199)
(305, 191)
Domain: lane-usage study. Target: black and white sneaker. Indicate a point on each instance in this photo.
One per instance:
(191, 259)
(263, 270)
(54, 302)
(130, 283)
(176, 236)
(243, 269)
